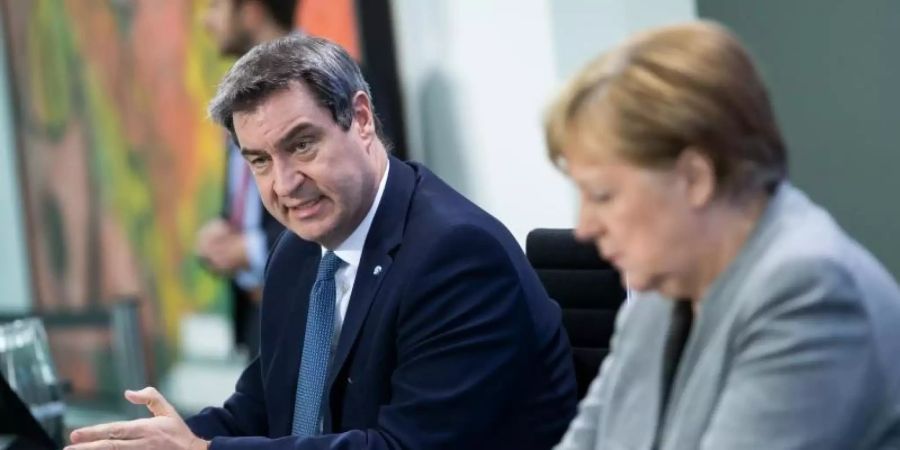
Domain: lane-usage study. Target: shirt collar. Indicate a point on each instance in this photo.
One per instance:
(350, 251)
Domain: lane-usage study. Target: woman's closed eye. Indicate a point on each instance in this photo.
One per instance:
(599, 197)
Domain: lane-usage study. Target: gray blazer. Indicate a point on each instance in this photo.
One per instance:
(796, 346)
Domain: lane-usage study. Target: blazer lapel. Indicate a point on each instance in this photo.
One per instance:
(713, 313)
(384, 237)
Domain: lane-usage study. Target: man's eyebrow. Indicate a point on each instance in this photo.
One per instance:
(284, 142)
(289, 138)
(249, 152)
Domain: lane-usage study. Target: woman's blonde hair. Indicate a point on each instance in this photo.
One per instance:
(669, 89)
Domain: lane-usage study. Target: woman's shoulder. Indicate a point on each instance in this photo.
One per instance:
(800, 243)
(805, 262)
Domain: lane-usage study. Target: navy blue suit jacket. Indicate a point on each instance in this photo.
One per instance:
(454, 344)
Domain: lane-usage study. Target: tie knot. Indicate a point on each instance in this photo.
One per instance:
(328, 266)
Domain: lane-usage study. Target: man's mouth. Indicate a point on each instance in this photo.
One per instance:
(304, 209)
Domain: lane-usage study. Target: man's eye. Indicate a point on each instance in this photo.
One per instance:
(258, 163)
(302, 146)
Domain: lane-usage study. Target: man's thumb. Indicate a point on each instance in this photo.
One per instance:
(154, 401)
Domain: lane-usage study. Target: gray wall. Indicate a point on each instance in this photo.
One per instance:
(582, 29)
(833, 68)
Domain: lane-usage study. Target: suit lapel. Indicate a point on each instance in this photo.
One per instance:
(383, 238)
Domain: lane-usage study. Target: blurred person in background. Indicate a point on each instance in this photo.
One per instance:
(236, 244)
(396, 313)
(758, 323)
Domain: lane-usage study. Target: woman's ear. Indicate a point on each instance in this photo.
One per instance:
(699, 176)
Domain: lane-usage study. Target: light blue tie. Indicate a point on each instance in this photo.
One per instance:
(316, 349)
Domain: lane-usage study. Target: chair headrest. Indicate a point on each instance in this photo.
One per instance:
(557, 248)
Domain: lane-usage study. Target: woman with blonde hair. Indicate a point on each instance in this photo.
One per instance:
(758, 323)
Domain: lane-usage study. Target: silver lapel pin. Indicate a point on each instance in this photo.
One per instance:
(376, 271)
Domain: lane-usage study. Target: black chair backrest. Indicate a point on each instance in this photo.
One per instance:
(587, 288)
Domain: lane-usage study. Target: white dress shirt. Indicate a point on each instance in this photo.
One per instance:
(350, 252)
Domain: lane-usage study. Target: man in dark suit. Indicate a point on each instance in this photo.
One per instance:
(236, 244)
(396, 313)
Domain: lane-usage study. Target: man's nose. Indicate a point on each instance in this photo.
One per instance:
(287, 180)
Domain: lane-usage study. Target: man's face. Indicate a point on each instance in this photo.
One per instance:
(314, 177)
(223, 20)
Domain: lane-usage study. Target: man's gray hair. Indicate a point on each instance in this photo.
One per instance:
(319, 64)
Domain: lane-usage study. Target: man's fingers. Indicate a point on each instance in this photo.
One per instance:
(110, 431)
(155, 402)
(108, 445)
(209, 234)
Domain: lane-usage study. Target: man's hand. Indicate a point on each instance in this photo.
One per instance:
(165, 430)
(212, 231)
(222, 249)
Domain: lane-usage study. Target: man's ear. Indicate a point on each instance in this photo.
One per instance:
(698, 174)
(363, 116)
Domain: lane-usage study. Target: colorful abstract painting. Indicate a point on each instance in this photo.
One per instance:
(119, 163)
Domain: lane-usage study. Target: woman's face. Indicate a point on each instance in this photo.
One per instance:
(646, 222)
